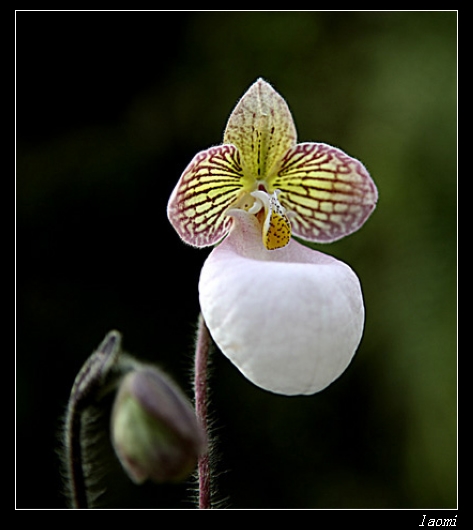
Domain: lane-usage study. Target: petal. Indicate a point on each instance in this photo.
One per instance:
(289, 319)
(262, 128)
(210, 184)
(330, 193)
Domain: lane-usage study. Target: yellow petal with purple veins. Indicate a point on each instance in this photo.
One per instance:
(329, 193)
(209, 186)
(262, 128)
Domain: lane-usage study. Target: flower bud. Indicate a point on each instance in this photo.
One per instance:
(154, 429)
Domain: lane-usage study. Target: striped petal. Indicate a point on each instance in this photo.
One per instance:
(262, 128)
(211, 183)
(329, 193)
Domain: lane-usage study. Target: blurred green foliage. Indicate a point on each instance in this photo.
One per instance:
(110, 109)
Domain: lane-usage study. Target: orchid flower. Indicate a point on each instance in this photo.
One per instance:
(290, 318)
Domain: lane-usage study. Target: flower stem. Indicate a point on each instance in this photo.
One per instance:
(200, 389)
(97, 377)
(77, 483)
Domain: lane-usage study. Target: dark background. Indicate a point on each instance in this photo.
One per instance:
(110, 108)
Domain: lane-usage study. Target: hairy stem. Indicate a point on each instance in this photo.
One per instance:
(200, 389)
(78, 487)
(97, 377)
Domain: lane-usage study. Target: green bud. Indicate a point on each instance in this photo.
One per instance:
(154, 429)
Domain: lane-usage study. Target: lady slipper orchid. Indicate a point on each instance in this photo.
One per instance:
(290, 318)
